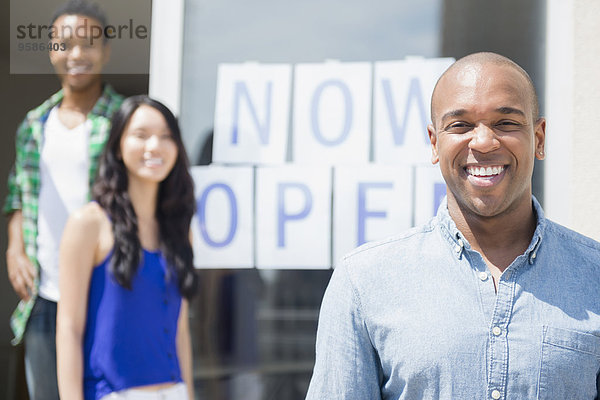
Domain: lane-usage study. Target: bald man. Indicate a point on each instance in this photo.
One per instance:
(489, 300)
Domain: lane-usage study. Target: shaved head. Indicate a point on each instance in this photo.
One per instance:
(484, 114)
(481, 59)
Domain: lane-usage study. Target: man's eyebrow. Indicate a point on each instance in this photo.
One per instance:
(510, 110)
(502, 110)
(454, 113)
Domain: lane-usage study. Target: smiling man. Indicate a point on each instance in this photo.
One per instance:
(57, 148)
(489, 300)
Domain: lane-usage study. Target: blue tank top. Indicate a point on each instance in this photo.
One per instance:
(130, 335)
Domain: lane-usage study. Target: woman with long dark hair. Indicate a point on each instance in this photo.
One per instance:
(126, 267)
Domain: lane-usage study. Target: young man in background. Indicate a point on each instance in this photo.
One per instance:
(57, 148)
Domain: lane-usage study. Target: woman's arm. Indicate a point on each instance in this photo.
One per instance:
(184, 348)
(78, 249)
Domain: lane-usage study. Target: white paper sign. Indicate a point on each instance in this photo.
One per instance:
(401, 108)
(222, 228)
(430, 189)
(293, 217)
(332, 113)
(252, 113)
(369, 203)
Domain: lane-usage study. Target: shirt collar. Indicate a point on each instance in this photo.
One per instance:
(101, 107)
(459, 243)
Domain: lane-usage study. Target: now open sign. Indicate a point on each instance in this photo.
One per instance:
(312, 160)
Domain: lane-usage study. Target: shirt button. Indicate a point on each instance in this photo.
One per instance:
(483, 276)
(460, 243)
(496, 331)
(496, 394)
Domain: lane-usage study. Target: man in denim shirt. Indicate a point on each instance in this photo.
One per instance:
(489, 300)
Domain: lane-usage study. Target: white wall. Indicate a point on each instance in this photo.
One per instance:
(572, 179)
(585, 173)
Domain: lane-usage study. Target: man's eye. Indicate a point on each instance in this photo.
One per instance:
(458, 127)
(508, 125)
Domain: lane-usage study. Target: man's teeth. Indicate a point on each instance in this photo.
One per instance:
(485, 171)
(78, 70)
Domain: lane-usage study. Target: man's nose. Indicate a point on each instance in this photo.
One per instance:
(76, 51)
(484, 139)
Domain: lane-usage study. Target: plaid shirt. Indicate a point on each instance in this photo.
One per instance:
(24, 178)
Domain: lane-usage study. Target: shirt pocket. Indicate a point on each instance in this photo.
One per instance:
(570, 364)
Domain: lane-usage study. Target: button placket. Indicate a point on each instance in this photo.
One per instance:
(534, 251)
(459, 247)
(482, 279)
(498, 340)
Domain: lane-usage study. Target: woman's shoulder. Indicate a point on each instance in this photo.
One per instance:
(90, 222)
(91, 226)
(89, 216)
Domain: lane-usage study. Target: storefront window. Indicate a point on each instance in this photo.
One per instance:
(269, 31)
(253, 330)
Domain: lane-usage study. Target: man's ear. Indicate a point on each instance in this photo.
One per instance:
(540, 138)
(433, 139)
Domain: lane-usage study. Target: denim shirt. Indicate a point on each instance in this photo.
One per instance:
(417, 317)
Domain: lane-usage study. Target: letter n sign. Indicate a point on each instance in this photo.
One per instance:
(430, 190)
(251, 113)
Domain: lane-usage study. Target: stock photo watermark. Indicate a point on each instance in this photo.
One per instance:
(41, 29)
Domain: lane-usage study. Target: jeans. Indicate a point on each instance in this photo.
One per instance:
(40, 351)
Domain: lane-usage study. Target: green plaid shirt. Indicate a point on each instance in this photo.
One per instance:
(24, 178)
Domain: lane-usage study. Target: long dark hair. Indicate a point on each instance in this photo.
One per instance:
(174, 209)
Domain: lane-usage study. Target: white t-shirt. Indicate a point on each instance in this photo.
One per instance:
(64, 187)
